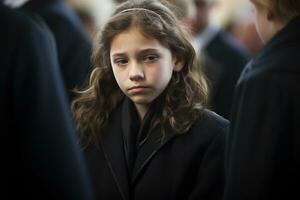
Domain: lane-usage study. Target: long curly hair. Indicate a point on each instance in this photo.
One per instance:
(183, 99)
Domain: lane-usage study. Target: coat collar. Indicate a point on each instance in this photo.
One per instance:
(113, 146)
(264, 60)
(140, 143)
(130, 125)
(149, 149)
(287, 36)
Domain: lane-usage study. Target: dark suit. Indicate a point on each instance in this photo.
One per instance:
(73, 46)
(43, 160)
(226, 60)
(263, 148)
(187, 166)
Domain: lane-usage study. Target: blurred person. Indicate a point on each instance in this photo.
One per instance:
(73, 45)
(43, 159)
(263, 151)
(222, 56)
(119, 1)
(180, 8)
(244, 31)
(143, 119)
(88, 22)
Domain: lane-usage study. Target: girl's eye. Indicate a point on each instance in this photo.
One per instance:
(121, 61)
(151, 58)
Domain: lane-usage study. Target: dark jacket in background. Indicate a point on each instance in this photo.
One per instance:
(226, 60)
(263, 147)
(42, 158)
(187, 166)
(73, 46)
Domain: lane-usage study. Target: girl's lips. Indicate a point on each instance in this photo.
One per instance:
(137, 89)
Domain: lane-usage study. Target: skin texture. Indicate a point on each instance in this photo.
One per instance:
(261, 23)
(267, 25)
(142, 67)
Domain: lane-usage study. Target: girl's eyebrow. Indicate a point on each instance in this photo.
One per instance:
(149, 50)
(143, 51)
(118, 55)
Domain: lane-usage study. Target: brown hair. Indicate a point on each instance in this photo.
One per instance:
(284, 10)
(183, 99)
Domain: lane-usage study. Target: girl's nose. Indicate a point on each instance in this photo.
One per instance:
(136, 72)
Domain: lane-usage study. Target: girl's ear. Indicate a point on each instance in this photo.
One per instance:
(177, 64)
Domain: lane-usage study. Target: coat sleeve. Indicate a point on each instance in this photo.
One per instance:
(210, 179)
(41, 126)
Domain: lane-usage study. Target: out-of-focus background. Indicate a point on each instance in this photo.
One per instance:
(235, 16)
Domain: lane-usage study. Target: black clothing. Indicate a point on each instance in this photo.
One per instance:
(73, 46)
(263, 147)
(227, 59)
(186, 166)
(43, 160)
(135, 133)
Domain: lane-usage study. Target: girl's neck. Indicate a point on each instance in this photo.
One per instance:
(142, 110)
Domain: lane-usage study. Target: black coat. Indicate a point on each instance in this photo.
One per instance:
(263, 147)
(225, 62)
(187, 166)
(42, 158)
(73, 46)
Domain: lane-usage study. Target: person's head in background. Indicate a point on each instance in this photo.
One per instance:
(88, 22)
(180, 8)
(116, 67)
(198, 17)
(271, 16)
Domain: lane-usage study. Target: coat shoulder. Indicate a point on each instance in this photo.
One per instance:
(210, 125)
(213, 120)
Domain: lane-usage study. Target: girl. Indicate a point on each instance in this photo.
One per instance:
(142, 119)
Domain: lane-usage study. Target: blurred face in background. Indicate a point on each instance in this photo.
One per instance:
(198, 16)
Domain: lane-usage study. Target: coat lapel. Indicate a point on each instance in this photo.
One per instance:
(113, 148)
(115, 152)
(130, 126)
(149, 149)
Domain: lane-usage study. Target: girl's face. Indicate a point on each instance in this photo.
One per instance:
(142, 66)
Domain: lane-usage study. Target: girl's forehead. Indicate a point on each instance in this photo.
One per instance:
(134, 35)
(134, 31)
(134, 41)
